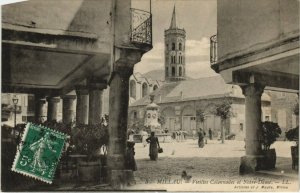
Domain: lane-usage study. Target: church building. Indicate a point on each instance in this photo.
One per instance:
(181, 99)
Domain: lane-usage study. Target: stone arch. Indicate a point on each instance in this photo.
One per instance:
(132, 89)
(144, 89)
(173, 46)
(170, 118)
(188, 119)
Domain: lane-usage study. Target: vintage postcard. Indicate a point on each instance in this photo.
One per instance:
(150, 95)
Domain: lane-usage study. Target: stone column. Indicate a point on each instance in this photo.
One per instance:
(39, 101)
(68, 110)
(250, 163)
(95, 102)
(52, 108)
(118, 114)
(82, 105)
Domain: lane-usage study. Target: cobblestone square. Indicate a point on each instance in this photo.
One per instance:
(214, 163)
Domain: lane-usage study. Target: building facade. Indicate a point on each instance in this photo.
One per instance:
(283, 106)
(257, 59)
(140, 86)
(181, 102)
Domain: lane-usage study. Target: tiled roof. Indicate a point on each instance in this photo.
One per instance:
(196, 89)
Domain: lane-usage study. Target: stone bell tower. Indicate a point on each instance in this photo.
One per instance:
(174, 52)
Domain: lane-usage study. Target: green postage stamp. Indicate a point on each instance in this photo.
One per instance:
(39, 152)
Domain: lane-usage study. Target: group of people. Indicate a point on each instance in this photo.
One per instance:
(179, 135)
(153, 150)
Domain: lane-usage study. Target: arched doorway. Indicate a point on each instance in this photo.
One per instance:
(188, 115)
(144, 89)
(170, 118)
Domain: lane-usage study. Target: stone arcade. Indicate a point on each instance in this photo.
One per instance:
(94, 44)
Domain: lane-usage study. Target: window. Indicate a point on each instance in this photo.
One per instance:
(30, 107)
(241, 126)
(134, 114)
(180, 59)
(180, 46)
(173, 46)
(173, 71)
(24, 118)
(144, 89)
(132, 89)
(180, 71)
(173, 59)
(167, 46)
(155, 87)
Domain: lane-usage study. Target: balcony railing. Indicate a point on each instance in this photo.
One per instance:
(213, 49)
(141, 27)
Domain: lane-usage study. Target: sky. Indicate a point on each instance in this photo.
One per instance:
(197, 17)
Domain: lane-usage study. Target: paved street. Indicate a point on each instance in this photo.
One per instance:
(215, 161)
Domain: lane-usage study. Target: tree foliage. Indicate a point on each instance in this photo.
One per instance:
(223, 109)
(89, 138)
(269, 132)
(200, 115)
(293, 134)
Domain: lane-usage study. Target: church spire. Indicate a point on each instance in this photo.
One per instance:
(173, 21)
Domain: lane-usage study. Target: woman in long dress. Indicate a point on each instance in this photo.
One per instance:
(130, 161)
(154, 145)
(201, 138)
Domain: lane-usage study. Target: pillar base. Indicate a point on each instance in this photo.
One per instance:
(121, 178)
(250, 164)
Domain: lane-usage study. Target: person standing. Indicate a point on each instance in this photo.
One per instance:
(154, 145)
(201, 138)
(210, 133)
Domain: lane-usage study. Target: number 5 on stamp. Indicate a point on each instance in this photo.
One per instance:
(39, 152)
